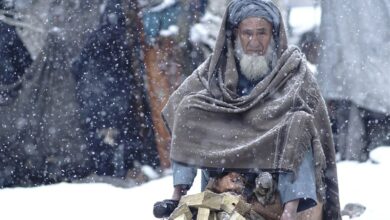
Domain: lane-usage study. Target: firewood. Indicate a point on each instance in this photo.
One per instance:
(182, 217)
(206, 199)
(231, 203)
(203, 214)
(213, 216)
(183, 209)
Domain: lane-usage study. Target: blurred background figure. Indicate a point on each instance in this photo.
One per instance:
(112, 98)
(169, 56)
(203, 33)
(310, 44)
(41, 137)
(14, 57)
(354, 73)
(304, 19)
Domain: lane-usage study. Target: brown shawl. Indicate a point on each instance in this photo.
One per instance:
(269, 129)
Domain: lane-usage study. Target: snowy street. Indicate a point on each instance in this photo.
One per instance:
(363, 183)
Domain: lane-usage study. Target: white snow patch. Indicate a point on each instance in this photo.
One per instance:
(207, 30)
(303, 19)
(172, 30)
(165, 4)
(364, 183)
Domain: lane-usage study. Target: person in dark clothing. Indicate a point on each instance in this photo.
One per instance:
(107, 89)
(41, 140)
(14, 57)
(40, 134)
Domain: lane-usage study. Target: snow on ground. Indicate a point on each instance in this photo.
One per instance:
(364, 183)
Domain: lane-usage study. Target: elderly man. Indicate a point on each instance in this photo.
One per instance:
(254, 106)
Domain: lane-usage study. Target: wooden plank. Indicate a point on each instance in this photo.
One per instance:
(203, 214)
(229, 202)
(206, 199)
(234, 203)
(183, 209)
(182, 217)
(213, 216)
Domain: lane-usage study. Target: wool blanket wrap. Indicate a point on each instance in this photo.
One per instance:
(270, 128)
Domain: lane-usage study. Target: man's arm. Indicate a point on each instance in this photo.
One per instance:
(183, 178)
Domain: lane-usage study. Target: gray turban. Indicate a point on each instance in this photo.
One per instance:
(242, 9)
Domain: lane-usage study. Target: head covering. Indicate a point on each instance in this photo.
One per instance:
(238, 10)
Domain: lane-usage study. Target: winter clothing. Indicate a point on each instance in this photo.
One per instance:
(107, 89)
(271, 128)
(302, 187)
(40, 134)
(41, 137)
(14, 57)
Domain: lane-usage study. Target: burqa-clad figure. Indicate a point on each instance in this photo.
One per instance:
(40, 134)
(41, 138)
(107, 91)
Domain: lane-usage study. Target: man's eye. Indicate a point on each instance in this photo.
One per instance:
(247, 33)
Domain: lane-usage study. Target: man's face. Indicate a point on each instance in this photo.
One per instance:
(255, 35)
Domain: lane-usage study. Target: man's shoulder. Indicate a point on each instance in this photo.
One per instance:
(197, 80)
(202, 69)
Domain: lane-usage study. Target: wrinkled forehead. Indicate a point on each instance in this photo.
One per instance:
(255, 23)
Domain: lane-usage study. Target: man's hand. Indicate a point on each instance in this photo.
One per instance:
(290, 210)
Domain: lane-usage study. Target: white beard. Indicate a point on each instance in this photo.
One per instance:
(254, 67)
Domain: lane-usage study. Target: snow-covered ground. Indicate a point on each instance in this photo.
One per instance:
(364, 183)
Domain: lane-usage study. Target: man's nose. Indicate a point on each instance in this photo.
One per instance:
(254, 42)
